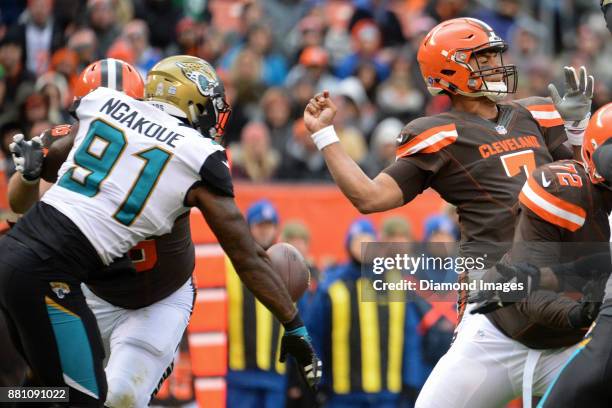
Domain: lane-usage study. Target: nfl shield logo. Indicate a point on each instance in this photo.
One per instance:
(501, 130)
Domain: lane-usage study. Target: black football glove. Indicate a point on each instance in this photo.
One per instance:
(28, 157)
(490, 300)
(588, 306)
(297, 342)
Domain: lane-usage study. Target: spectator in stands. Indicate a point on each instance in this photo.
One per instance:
(136, 35)
(308, 33)
(441, 10)
(399, 95)
(302, 161)
(276, 107)
(157, 14)
(103, 21)
(187, 39)
(39, 35)
(360, 342)
(501, 17)
(351, 120)
(301, 93)
(367, 41)
(246, 85)
(313, 64)
(384, 142)
(83, 42)
(259, 41)
(34, 108)
(431, 317)
(55, 88)
(255, 378)
(64, 62)
(396, 229)
(16, 76)
(254, 159)
(379, 12)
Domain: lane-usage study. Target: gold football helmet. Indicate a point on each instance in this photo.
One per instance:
(188, 87)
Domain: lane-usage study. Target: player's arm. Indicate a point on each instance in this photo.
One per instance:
(255, 269)
(250, 260)
(25, 186)
(22, 194)
(57, 154)
(367, 195)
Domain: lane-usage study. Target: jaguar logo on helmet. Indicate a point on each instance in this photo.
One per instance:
(201, 75)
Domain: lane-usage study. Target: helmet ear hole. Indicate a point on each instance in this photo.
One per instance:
(447, 72)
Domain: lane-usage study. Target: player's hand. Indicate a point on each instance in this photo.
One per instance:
(297, 343)
(490, 300)
(28, 156)
(319, 112)
(575, 105)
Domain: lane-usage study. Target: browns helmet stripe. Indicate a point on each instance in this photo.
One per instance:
(104, 73)
(119, 74)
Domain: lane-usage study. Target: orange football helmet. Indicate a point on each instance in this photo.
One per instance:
(598, 133)
(444, 57)
(110, 73)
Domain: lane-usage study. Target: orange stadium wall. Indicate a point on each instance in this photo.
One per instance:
(323, 208)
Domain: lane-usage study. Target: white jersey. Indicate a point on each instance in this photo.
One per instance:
(129, 171)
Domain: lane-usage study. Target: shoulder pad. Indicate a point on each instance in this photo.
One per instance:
(542, 110)
(426, 135)
(554, 193)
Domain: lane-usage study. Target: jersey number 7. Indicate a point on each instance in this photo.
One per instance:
(95, 159)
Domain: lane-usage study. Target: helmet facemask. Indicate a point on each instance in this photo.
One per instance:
(213, 120)
(494, 90)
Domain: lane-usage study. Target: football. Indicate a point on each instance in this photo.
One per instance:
(291, 267)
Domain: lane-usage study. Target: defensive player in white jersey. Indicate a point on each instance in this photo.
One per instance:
(142, 307)
(134, 168)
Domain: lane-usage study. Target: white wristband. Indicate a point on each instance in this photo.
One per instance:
(574, 137)
(325, 137)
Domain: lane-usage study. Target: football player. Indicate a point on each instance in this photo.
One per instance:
(142, 309)
(570, 202)
(477, 156)
(133, 168)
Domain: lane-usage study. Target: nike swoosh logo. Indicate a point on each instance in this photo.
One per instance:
(545, 182)
(226, 163)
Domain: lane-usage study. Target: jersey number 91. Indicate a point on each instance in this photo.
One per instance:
(95, 159)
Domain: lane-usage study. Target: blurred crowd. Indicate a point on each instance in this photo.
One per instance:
(273, 55)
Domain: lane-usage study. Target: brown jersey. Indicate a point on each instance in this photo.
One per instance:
(558, 205)
(479, 165)
(161, 265)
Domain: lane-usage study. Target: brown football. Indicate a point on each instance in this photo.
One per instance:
(291, 267)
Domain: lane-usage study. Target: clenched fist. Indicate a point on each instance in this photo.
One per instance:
(319, 112)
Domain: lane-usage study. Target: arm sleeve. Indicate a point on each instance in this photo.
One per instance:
(549, 309)
(420, 155)
(209, 165)
(215, 174)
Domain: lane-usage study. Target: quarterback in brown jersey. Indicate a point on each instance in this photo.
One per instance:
(477, 156)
